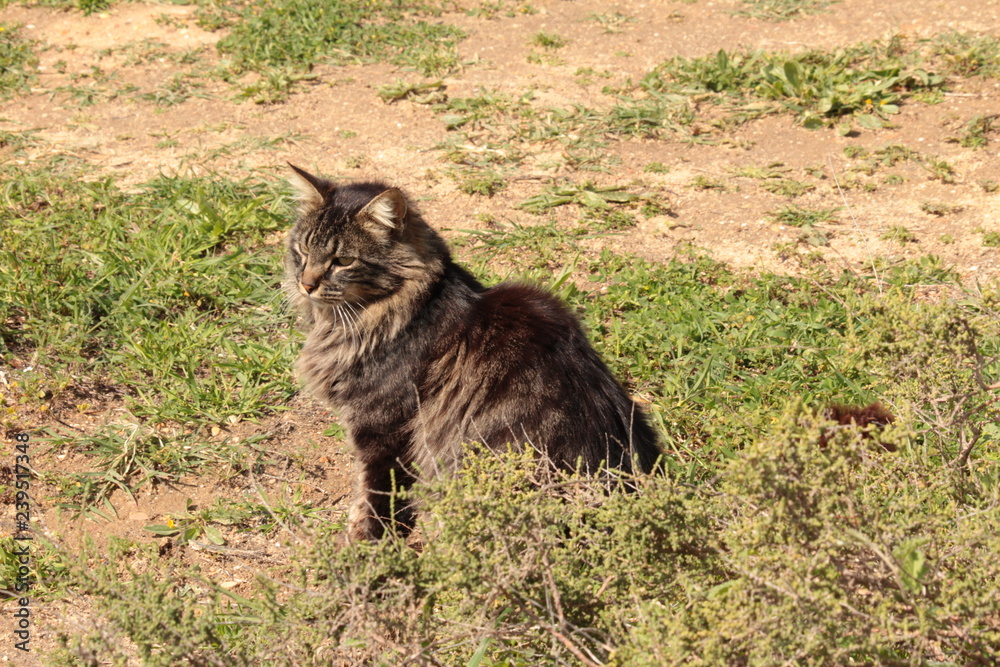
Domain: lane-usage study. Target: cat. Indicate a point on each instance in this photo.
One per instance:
(419, 358)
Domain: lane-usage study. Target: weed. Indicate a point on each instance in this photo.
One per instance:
(426, 92)
(587, 195)
(125, 458)
(977, 131)
(946, 239)
(702, 182)
(787, 187)
(899, 234)
(796, 216)
(486, 183)
(939, 208)
(942, 361)
(355, 161)
(18, 140)
(819, 87)
(545, 59)
(91, 6)
(173, 284)
(612, 23)
(274, 84)
(214, 17)
(967, 54)
(570, 560)
(989, 186)
(585, 75)
(991, 239)
(939, 170)
(656, 168)
(892, 154)
(548, 40)
(782, 10)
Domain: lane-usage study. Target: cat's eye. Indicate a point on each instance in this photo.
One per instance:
(343, 261)
(302, 251)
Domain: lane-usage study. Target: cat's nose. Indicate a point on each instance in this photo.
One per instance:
(308, 286)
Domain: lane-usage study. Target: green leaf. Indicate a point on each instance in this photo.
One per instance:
(592, 200)
(335, 431)
(214, 536)
(162, 530)
(869, 122)
(912, 563)
(722, 60)
(453, 121)
(792, 73)
(813, 122)
(189, 534)
(544, 201)
(618, 196)
(721, 589)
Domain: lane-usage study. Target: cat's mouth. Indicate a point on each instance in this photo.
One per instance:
(323, 297)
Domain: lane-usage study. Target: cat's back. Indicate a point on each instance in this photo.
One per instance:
(520, 369)
(520, 317)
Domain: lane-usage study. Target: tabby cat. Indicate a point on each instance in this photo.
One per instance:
(418, 357)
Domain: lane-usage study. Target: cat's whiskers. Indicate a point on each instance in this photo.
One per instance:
(345, 323)
(351, 317)
(357, 319)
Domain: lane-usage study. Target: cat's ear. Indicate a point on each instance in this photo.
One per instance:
(388, 209)
(312, 189)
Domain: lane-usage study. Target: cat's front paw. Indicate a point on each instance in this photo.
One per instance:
(362, 524)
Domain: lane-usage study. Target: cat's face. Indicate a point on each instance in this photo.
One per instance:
(346, 245)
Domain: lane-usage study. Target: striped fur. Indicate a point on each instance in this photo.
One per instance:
(419, 358)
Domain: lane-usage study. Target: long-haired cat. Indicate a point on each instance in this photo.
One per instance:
(419, 358)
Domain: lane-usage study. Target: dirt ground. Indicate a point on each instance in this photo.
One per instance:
(337, 125)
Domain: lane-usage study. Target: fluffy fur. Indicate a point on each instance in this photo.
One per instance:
(419, 358)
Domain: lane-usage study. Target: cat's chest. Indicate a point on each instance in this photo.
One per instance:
(349, 373)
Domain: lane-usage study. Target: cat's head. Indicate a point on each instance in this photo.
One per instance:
(356, 243)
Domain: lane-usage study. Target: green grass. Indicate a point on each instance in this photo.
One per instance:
(867, 81)
(782, 10)
(298, 34)
(485, 182)
(899, 234)
(978, 130)
(796, 216)
(939, 208)
(968, 54)
(17, 61)
(130, 291)
(548, 40)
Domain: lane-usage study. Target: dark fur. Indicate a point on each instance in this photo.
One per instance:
(424, 359)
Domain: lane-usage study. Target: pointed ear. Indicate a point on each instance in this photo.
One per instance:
(388, 208)
(312, 189)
